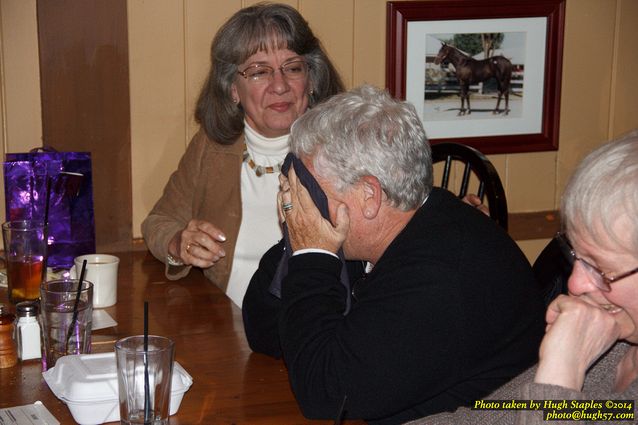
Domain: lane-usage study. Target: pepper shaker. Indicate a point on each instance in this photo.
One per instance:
(27, 330)
(8, 355)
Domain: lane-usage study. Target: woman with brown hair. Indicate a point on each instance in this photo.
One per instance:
(218, 210)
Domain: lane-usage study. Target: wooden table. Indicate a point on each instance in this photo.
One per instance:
(231, 385)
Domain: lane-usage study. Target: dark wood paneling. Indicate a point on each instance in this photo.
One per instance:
(533, 225)
(85, 102)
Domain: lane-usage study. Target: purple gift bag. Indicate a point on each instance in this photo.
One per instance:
(71, 220)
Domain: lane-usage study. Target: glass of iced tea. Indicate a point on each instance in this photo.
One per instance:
(25, 248)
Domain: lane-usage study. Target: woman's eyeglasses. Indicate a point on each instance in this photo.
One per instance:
(599, 278)
(294, 70)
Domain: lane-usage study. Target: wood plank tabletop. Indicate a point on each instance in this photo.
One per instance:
(231, 384)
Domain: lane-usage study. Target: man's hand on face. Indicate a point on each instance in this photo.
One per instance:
(306, 227)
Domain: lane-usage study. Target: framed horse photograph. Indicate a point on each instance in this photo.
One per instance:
(485, 73)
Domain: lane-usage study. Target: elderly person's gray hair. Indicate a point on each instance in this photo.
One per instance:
(261, 27)
(366, 132)
(603, 188)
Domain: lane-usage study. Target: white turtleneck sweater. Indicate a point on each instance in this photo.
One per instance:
(259, 229)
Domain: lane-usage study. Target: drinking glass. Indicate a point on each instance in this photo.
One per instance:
(144, 379)
(25, 246)
(66, 324)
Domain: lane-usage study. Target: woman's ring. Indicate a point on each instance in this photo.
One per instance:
(286, 206)
(188, 247)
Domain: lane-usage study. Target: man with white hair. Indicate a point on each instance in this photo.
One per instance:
(450, 309)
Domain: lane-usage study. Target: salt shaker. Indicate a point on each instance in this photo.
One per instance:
(8, 355)
(27, 330)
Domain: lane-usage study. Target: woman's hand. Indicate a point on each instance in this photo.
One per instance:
(198, 244)
(476, 202)
(578, 332)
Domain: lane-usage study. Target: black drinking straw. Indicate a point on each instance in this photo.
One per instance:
(46, 202)
(46, 219)
(75, 308)
(147, 393)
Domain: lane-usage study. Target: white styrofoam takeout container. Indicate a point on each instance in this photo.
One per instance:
(87, 383)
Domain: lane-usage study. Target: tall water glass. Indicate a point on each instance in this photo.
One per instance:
(144, 379)
(25, 246)
(66, 325)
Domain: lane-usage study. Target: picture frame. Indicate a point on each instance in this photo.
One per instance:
(527, 40)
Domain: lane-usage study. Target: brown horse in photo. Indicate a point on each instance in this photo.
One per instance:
(471, 71)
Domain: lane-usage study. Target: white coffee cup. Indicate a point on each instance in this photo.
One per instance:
(101, 270)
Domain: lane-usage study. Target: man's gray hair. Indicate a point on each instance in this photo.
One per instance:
(603, 188)
(365, 132)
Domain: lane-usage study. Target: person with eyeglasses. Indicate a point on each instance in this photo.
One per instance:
(590, 347)
(601, 279)
(218, 210)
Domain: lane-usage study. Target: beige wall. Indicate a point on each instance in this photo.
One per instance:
(169, 44)
(20, 110)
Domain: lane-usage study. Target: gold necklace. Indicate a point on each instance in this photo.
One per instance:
(260, 169)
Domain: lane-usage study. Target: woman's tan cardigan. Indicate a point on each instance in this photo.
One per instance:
(205, 186)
